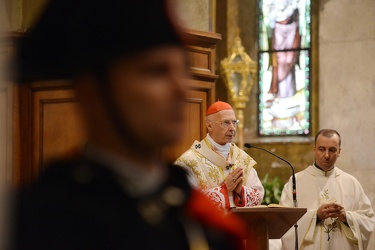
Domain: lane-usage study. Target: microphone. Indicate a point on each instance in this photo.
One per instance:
(248, 145)
(295, 204)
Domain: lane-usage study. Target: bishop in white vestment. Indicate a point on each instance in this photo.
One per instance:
(220, 169)
(339, 214)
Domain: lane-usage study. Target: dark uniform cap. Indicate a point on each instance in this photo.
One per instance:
(76, 35)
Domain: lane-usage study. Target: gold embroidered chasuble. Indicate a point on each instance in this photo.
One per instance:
(316, 187)
(207, 171)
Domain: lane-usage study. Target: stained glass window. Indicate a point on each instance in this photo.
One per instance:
(284, 67)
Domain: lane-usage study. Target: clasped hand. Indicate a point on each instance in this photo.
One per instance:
(234, 180)
(331, 210)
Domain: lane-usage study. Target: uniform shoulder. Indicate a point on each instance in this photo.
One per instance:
(58, 170)
(65, 175)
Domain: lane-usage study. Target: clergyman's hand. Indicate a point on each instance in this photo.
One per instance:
(342, 215)
(331, 210)
(238, 189)
(234, 180)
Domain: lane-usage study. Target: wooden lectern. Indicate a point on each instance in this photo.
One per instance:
(267, 223)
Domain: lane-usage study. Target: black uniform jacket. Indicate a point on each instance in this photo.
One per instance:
(81, 205)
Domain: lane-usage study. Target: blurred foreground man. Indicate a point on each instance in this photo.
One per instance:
(339, 214)
(128, 65)
(224, 172)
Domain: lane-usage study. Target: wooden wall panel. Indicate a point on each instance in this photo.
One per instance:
(58, 134)
(201, 48)
(200, 58)
(57, 126)
(3, 133)
(50, 126)
(9, 115)
(195, 128)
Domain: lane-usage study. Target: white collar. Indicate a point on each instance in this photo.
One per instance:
(223, 150)
(321, 172)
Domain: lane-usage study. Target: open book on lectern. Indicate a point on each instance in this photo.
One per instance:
(272, 205)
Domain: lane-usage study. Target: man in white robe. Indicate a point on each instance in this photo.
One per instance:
(339, 214)
(224, 172)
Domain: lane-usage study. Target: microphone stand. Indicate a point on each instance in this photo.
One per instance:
(294, 189)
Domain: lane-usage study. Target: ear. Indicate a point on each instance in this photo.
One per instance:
(208, 125)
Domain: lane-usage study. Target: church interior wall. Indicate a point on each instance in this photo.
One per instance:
(346, 83)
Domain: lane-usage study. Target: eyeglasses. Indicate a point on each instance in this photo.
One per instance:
(227, 123)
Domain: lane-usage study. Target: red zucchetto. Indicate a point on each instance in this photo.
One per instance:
(218, 106)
